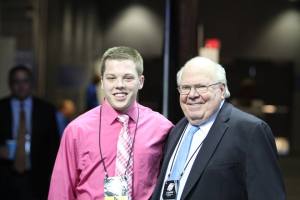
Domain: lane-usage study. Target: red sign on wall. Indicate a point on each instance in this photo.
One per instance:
(213, 43)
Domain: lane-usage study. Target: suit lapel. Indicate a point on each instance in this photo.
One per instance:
(8, 119)
(34, 116)
(208, 148)
(175, 138)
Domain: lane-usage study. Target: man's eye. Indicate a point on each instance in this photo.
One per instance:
(129, 78)
(185, 87)
(200, 86)
(110, 78)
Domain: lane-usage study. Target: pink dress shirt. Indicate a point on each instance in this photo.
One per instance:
(78, 172)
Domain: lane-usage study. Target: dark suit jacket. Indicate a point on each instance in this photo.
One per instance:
(238, 160)
(44, 140)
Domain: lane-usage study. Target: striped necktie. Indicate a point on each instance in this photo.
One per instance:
(124, 162)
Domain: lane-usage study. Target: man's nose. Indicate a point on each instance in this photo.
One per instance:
(119, 82)
(193, 92)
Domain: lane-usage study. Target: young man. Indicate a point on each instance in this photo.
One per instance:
(114, 150)
(217, 151)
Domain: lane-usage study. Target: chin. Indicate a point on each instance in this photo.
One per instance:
(195, 121)
(196, 114)
(120, 107)
(196, 118)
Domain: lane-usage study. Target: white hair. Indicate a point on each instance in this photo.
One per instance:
(216, 70)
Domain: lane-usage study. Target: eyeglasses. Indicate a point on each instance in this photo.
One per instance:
(21, 81)
(186, 89)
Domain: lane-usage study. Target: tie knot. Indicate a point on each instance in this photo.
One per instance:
(193, 129)
(21, 105)
(123, 119)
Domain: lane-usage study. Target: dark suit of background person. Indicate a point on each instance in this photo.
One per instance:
(238, 158)
(44, 142)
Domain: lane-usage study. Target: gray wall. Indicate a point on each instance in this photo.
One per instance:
(7, 57)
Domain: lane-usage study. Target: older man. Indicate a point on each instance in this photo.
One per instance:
(217, 151)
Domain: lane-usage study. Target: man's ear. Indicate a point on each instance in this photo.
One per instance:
(101, 80)
(223, 90)
(141, 81)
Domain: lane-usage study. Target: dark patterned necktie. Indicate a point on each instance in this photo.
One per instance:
(20, 159)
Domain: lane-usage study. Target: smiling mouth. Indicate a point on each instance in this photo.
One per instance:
(194, 104)
(120, 95)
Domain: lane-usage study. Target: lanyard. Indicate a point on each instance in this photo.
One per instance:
(131, 150)
(175, 155)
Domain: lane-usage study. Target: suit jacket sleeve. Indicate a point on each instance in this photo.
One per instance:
(264, 180)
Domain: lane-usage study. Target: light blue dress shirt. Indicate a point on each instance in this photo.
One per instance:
(198, 138)
(16, 107)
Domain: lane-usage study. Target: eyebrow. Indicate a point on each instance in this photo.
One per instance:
(112, 74)
(201, 84)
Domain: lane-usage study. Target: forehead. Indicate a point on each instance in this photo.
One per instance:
(195, 74)
(20, 74)
(120, 66)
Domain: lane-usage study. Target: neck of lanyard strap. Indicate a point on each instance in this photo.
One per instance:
(175, 155)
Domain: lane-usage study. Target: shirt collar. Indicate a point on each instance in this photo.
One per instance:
(27, 102)
(111, 114)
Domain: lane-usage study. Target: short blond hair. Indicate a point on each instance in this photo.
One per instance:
(122, 53)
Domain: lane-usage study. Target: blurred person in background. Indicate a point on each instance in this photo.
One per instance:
(92, 93)
(65, 114)
(28, 140)
(114, 150)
